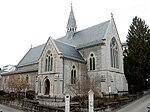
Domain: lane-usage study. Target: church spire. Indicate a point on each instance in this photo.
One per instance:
(71, 26)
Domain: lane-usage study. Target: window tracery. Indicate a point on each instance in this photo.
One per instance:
(48, 61)
(114, 53)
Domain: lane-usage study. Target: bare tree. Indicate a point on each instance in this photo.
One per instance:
(81, 88)
(17, 84)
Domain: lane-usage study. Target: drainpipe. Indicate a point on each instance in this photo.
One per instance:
(63, 77)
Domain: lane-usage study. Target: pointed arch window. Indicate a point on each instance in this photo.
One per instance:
(73, 75)
(46, 87)
(48, 61)
(92, 61)
(114, 53)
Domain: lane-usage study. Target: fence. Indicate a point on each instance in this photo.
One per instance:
(51, 101)
(30, 106)
(100, 104)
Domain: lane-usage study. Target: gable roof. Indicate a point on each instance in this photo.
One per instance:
(68, 47)
(31, 56)
(68, 51)
(87, 37)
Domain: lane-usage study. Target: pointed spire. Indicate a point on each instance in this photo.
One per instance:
(71, 26)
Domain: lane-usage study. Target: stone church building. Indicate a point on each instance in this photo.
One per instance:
(94, 54)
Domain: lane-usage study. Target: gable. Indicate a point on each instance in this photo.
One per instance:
(57, 47)
(50, 45)
(112, 32)
(106, 50)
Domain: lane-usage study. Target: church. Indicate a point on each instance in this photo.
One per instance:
(93, 55)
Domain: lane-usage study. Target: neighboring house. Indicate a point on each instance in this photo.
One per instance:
(5, 70)
(8, 68)
(94, 53)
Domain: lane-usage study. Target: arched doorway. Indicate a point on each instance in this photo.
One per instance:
(47, 87)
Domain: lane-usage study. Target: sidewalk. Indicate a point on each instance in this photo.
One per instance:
(144, 94)
(4, 108)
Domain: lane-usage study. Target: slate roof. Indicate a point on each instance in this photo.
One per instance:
(31, 56)
(68, 51)
(87, 37)
(68, 47)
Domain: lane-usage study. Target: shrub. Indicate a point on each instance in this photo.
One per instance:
(21, 95)
(75, 98)
(30, 94)
(2, 92)
(12, 95)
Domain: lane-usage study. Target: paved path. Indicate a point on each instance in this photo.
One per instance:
(139, 105)
(8, 109)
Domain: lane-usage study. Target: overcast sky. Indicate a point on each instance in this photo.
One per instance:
(30, 22)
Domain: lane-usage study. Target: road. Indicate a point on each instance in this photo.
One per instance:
(139, 105)
(8, 109)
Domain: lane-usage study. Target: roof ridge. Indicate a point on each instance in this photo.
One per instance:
(65, 43)
(93, 26)
(37, 46)
(83, 30)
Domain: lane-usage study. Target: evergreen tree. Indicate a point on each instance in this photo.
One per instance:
(137, 60)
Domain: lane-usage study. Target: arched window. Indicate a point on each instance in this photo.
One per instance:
(92, 61)
(73, 75)
(48, 61)
(114, 53)
(46, 87)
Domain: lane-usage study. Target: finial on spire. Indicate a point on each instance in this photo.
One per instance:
(71, 4)
(111, 14)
